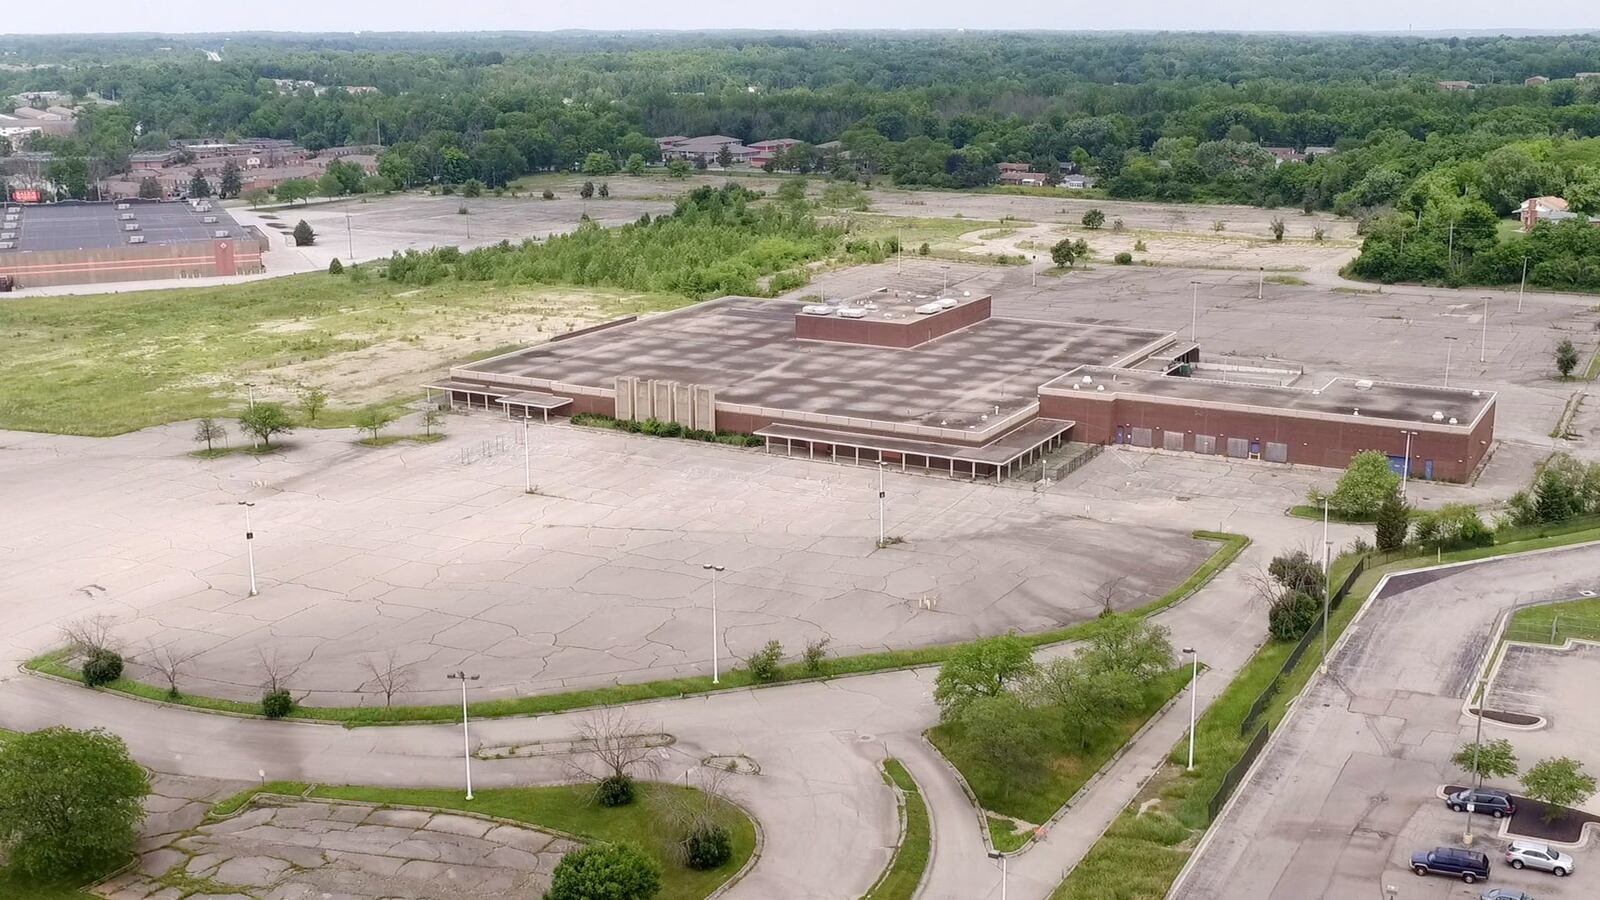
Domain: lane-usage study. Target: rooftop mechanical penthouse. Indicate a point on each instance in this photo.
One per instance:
(942, 383)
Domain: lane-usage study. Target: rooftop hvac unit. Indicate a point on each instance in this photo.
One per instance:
(126, 217)
(131, 226)
(123, 205)
(7, 235)
(136, 239)
(220, 233)
(1364, 384)
(209, 220)
(853, 312)
(7, 245)
(928, 309)
(947, 302)
(817, 309)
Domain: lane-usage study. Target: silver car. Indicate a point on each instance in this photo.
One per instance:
(1534, 855)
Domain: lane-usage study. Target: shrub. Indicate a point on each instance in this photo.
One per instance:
(1093, 219)
(1394, 520)
(335, 267)
(605, 872)
(708, 846)
(1292, 614)
(102, 667)
(1124, 258)
(304, 235)
(615, 790)
(1139, 245)
(472, 187)
(923, 250)
(816, 654)
(277, 703)
(763, 663)
(1455, 525)
(549, 194)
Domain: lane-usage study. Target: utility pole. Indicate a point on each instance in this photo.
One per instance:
(1327, 583)
(1194, 310)
(466, 739)
(350, 241)
(1483, 344)
(714, 570)
(1524, 285)
(1194, 692)
(249, 544)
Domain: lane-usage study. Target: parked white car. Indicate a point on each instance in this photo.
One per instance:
(1534, 855)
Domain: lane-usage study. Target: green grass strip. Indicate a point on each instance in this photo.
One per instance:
(58, 663)
(900, 880)
(1142, 852)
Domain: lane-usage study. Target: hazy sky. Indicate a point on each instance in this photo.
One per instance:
(31, 16)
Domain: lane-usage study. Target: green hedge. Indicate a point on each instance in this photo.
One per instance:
(666, 429)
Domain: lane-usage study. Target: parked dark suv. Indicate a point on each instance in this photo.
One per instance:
(1468, 865)
(1484, 800)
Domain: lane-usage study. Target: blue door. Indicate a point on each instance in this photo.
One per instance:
(1397, 465)
(1119, 434)
(1427, 469)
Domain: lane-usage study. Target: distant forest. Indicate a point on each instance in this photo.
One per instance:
(1175, 117)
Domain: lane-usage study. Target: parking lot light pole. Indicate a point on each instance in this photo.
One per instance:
(1524, 284)
(527, 465)
(714, 570)
(466, 739)
(249, 544)
(1194, 310)
(1483, 343)
(1477, 747)
(996, 854)
(881, 535)
(1194, 690)
(1327, 584)
(1405, 471)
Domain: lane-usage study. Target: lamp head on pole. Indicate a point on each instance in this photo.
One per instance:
(247, 503)
(1189, 650)
(461, 676)
(711, 567)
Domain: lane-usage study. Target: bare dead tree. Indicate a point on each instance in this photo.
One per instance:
(619, 743)
(685, 814)
(169, 661)
(1107, 594)
(274, 671)
(388, 675)
(86, 636)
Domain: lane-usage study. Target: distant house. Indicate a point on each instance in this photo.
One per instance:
(1077, 182)
(1314, 150)
(1015, 167)
(1535, 81)
(1548, 209)
(769, 151)
(706, 148)
(1585, 76)
(1454, 85)
(1023, 178)
(153, 159)
(1285, 154)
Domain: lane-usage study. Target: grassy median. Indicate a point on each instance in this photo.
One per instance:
(904, 875)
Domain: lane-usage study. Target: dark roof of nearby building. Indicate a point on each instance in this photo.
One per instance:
(82, 225)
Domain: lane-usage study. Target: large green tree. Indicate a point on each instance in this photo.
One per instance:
(70, 802)
(986, 667)
(1366, 481)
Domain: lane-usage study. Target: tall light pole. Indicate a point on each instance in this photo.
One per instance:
(1261, 282)
(899, 252)
(249, 544)
(714, 570)
(1033, 266)
(1194, 692)
(1477, 746)
(881, 536)
(1449, 345)
(466, 739)
(946, 279)
(1194, 310)
(1327, 581)
(1483, 344)
(996, 854)
(1405, 471)
(350, 240)
(527, 464)
(1524, 284)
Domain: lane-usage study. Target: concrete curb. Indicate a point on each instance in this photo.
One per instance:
(900, 840)
(972, 798)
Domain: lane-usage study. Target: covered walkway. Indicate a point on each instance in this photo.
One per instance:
(999, 459)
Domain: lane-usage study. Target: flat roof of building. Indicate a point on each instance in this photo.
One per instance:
(1414, 404)
(744, 348)
(83, 225)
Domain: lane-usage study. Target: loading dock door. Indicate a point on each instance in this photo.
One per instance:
(1142, 437)
(1239, 448)
(1205, 443)
(1172, 440)
(1277, 452)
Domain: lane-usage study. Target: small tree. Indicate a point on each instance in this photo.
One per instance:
(263, 420)
(199, 186)
(617, 743)
(304, 235)
(816, 655)
(635, 165)
(276, 701)
(231, 183)
(548, 194)
(150, 188)
(208, 431)
(1363, 486)
(432, 418)
(605, 190)
(256, 196)
(587, 190)
(1277, 228)
(724, 157)
(170, 662)
(1093, 219)
(763, 664)
(678, 169)
(374, 419)
(101, 668)
(1292, 614)
(1002, 731)
(313, 399)
(1295, 570)
(335, 267)
(1566, 358)
(609, 871)
(389, 676)
(70, 802)
(983, 668)
(1491, 759)
(1559, 781)
(1065, 252)
(472, 187)
(1118, 225)
(1393, 521)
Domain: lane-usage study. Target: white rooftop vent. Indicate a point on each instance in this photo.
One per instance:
(1475, 393)
(966, 293)
(209, 220)
(1364, 384)
(126, 217)
(922, 296)
(927, 309)
(1099, 387)
(817, 309)
(947, 302)
(1357, 411)
(1438, 416)
(136, 239)
(1088, 379)
(1452, 420)
(220, 233)
(853, 312)
(131, 226)
(123, 205)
